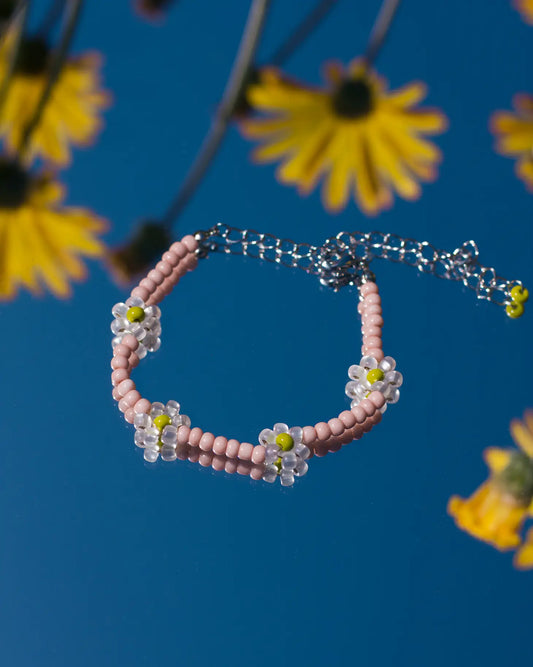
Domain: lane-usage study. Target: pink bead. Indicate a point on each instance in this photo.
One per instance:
(243, 468)
(233, 448)
(149, 284)
(194, 455)
(192, 262)
(166, 268)
(156, 276)
(369, 288)
(195, 436)
(190, 243)
(377, 399)
(371, 330)
(132, 397)
(129, 415)
(256, 474)
(245, 451)
(115, 394)
(119, 362)
(336, 426)
(373, 299)
(359, 414)
(184, 433)
(258, 455)
(205, 459)
(377, 353)
(119, 375)
(368, 407)
(360, 307)
(372, 310)
(123, 406)
(121, 350)
(141, 293)
(374, 320)
(171, 257)
(323, 431)
(309, 435)
(124, 387)
(218, 463)
(133, 360)
(142, 406)
(130, 341)
(206, 442)
(220, 444)
(230, 466)
(179, 249)
(373, 342)
(348, 419)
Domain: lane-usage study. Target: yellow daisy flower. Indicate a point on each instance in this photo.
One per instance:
(355, 133)
(514, 136)
(525, 7)
(72, 114)
(497, 510)
(42, 241)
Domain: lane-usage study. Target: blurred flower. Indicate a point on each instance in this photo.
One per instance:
(496, 512)
(72, 114)
(6, 9)
(137, 255)
(355, 133)
(514, 136)
(152, 9)
(42, 240)
(525, 7)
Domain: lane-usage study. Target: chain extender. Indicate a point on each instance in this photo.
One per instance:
(344, 259)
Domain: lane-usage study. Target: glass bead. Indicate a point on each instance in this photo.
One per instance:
(157, 409)
(151, 441)
(172, 408)
(280, 428)
(270, 474)
(368, 363)
(351, 389)
(387, 364)
(134, 301)
(378, 386)
(169, 435)
(355, 372)
(141, 351)
(303, 451)
(168, 453)
(141, 420)
(394, 378)
(394, 397)
(296, 434)
(119, 310)
(289, 460)
(119, 326)
(287, 478)
(151, 455)
(266, 437)
(301, 468)
(139, 438)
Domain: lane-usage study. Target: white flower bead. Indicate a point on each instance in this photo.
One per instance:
(157, 432)
(136, 318)
(369, 376)
(285, 453)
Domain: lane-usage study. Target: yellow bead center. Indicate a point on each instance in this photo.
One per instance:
(285, 441)
(135, 314)
(519, 294)
(277, 463)
(515, 309)
(375, 375)
(161, 421)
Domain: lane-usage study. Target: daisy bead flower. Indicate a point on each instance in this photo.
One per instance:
(142, 321)
(285, 453)
(157, 432)
(361, 138)
(369, 376)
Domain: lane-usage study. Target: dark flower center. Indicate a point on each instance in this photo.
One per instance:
(353, 99)
(14, 185)
(32, 59)
(517, 477)
(147, 244)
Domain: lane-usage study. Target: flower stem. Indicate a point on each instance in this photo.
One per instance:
(17, 22)
(231, 96)
(380, 30)
(301, 32)
(59, 57)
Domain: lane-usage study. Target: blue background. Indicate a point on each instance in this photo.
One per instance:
(106, 560)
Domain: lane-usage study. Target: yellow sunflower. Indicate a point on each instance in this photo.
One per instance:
(357, 135)
(525, 7)
(514, 136)
(497, 510)
(41, 241)
(72, 115)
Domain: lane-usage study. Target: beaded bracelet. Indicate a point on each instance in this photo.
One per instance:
(161, 430)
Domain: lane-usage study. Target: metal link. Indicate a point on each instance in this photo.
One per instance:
(344, 259)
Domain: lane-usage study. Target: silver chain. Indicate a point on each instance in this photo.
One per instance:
(344, 259)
